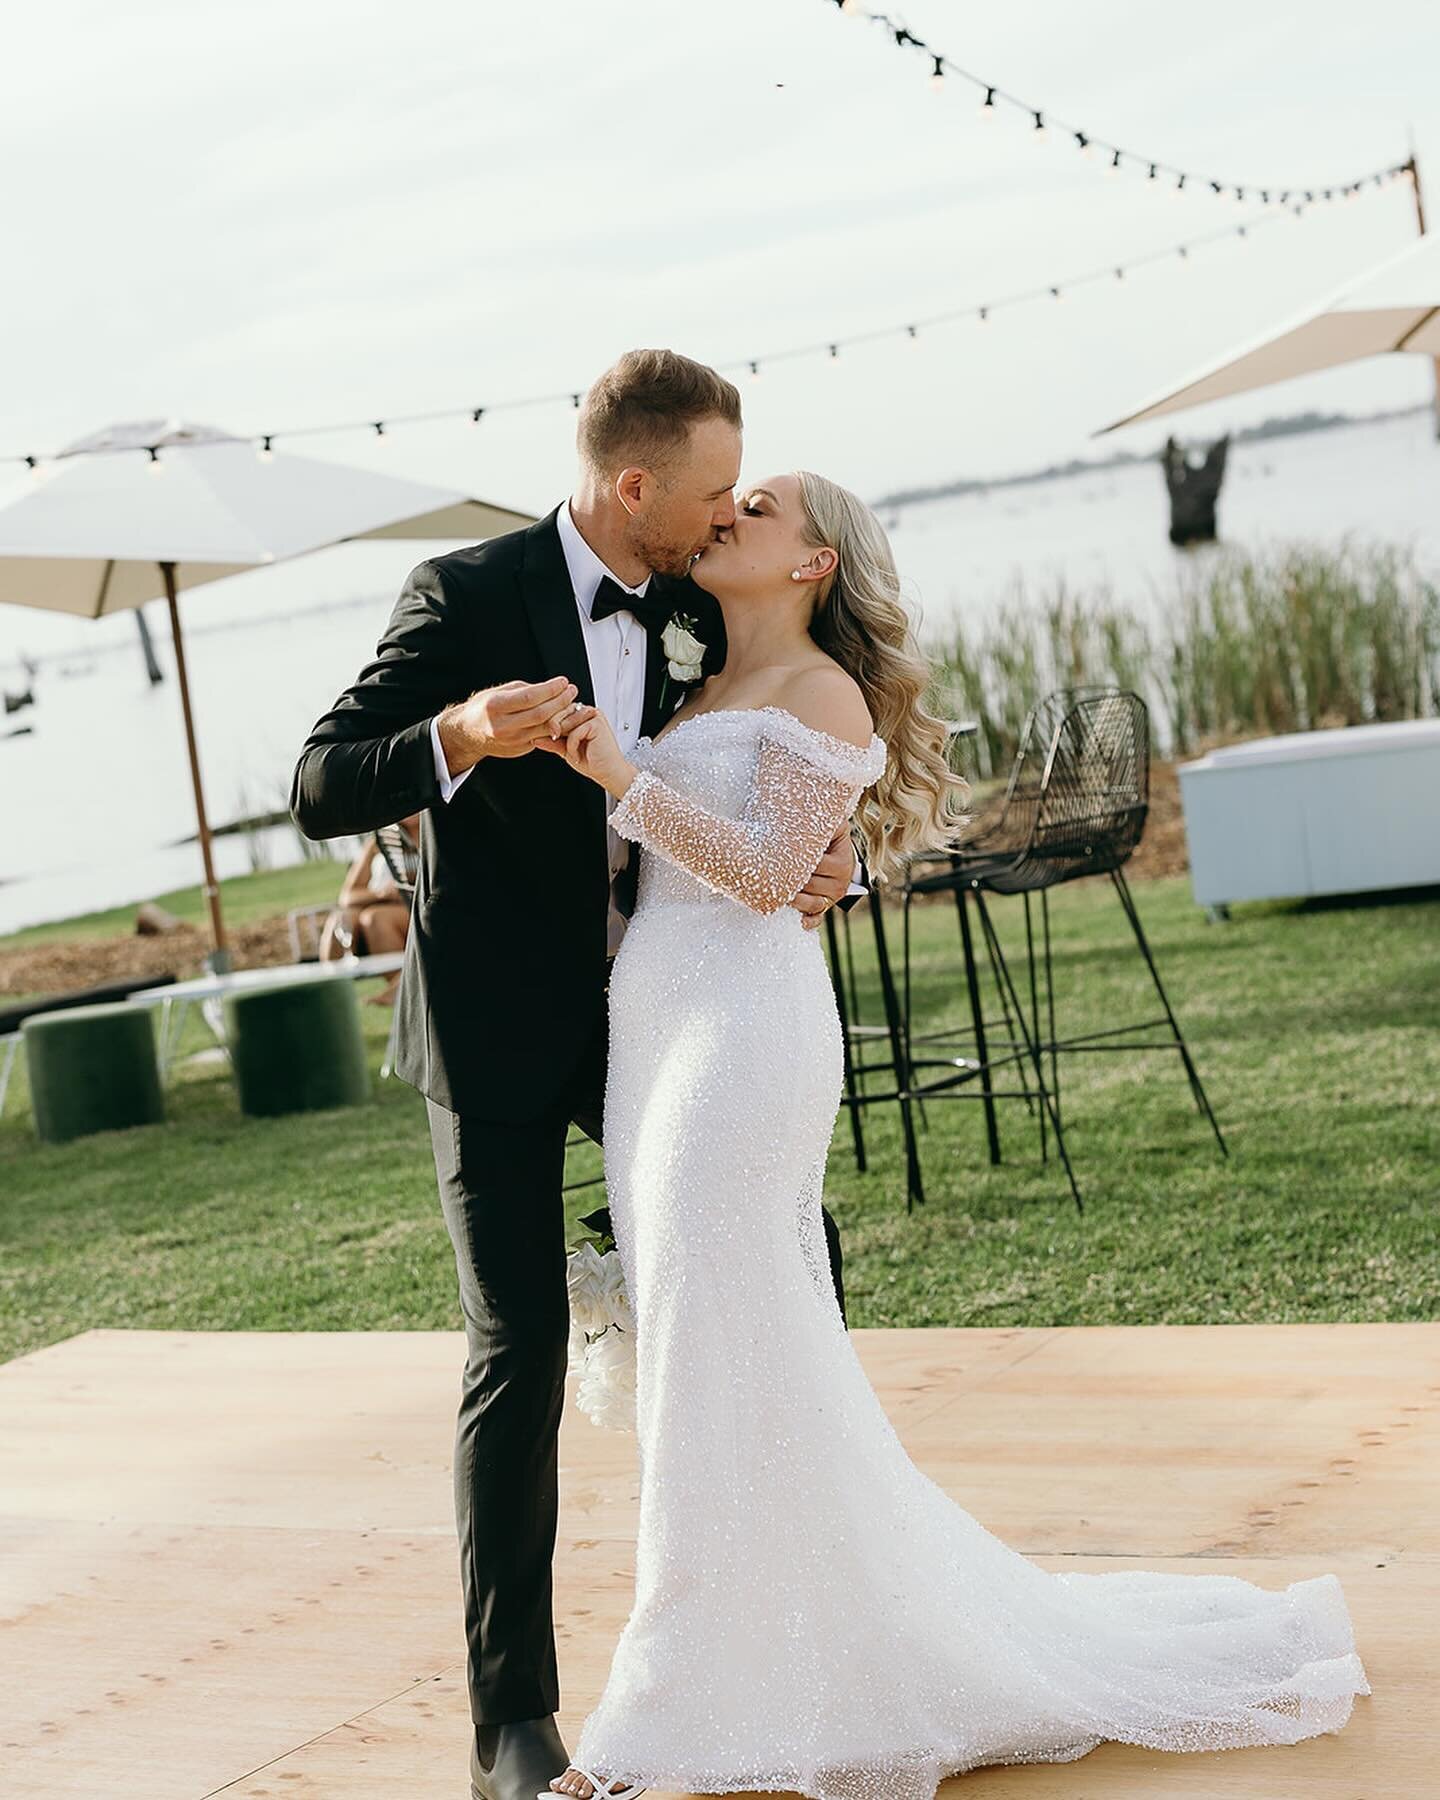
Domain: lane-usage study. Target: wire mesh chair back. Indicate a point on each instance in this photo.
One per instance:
(402, 857)
(958, 734)
(1078, 792)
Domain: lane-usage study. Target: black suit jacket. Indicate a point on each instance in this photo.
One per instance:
(503, 979)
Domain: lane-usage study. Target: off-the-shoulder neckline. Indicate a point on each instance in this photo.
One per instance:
(717, 712)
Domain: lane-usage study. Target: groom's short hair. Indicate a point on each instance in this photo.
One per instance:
(640, 410)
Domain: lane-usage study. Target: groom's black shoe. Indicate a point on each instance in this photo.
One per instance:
(516, 1760)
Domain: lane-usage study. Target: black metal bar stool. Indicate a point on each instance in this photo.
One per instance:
(890, 1035)
(1075, 805)
(860, 1038)
(908, 1048)
(996, 1046)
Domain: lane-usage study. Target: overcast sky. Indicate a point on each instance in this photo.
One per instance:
(273, 214)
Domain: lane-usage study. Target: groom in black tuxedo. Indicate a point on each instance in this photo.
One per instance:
(521, 899)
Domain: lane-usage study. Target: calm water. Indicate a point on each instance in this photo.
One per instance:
(1109, 529)
(97, 798)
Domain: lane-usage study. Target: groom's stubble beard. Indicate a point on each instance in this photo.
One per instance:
(658, 549)
(655, 536)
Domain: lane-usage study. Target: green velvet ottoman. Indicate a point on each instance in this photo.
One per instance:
(92, 1068)
(297, 1047)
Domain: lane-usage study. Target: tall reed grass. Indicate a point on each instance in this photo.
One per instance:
(1295, 638)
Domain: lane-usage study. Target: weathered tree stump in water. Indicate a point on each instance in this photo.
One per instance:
(1193, 488)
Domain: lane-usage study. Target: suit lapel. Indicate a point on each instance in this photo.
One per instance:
(550, 603)
(662, 692)
(651, 716)
(554, 618)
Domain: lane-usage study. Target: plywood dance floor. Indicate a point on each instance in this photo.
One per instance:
(229, 1567)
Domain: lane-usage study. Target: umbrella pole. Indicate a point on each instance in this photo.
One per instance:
(1414, 167)
(219, 959)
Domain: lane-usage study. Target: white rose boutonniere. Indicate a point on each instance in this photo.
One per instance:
(683, 650)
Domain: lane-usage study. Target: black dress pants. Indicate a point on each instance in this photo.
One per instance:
(500, 1189)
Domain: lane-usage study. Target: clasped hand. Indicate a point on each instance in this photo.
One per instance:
(584, 737)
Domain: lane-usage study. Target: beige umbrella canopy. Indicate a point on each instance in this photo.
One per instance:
(1395, 307)
(138, 511)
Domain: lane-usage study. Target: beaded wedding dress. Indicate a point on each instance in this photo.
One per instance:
(812, 1614)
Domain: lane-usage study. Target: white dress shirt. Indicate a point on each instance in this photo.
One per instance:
(615, 650)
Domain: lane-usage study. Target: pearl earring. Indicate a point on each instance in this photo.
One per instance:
(794, 574)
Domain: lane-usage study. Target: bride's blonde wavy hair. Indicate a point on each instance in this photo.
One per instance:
(859, 619)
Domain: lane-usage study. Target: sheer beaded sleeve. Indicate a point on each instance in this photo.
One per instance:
(805, 786)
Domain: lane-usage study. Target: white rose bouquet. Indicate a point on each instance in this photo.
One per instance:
(602, 1333)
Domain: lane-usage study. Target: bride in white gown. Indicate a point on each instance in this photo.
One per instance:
(812, 1614)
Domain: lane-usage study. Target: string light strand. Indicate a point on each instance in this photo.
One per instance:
(828, 347)
(1046, 125)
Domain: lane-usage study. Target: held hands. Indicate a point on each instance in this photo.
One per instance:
(582, 735)
(507, 720)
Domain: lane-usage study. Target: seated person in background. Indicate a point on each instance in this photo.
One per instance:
(371, 915)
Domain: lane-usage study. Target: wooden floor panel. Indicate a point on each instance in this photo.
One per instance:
(227, 1559)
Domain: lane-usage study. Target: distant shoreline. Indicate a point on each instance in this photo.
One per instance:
(1293, 425)
(81, 658)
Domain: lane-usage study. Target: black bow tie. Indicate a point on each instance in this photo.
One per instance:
(649, 608)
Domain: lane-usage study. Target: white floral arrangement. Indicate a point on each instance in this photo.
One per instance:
(601, 1347)
(683, 650)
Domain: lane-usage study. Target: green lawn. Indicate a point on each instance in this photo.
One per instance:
(1316, 1030)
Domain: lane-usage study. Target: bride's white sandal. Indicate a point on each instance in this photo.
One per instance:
(603, 1789)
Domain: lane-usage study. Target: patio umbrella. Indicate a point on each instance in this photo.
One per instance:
(1396, 306)
(138, 511)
